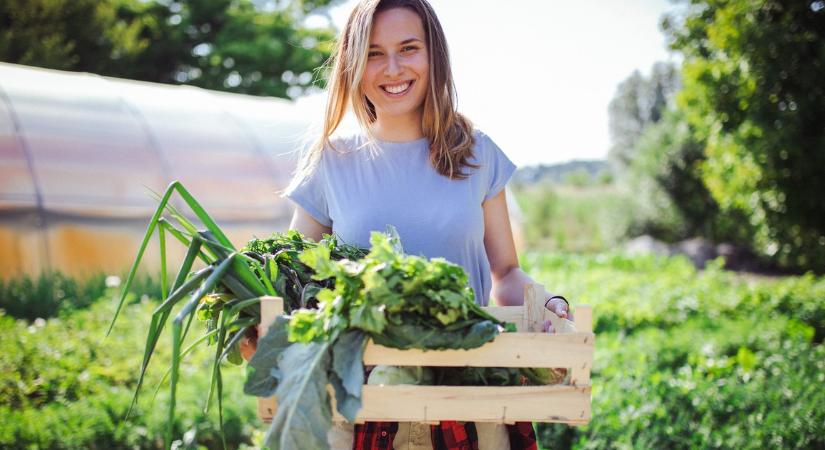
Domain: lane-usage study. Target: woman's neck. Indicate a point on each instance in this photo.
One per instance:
(399, 128)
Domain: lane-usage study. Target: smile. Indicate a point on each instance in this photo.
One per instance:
(397, 90)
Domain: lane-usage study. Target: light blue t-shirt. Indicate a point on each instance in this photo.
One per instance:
(356, 193)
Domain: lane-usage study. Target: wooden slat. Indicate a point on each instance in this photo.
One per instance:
(534, 310)
(271, 307)
(473, 403)
(507, 350)
(583, 315)
(512, 314)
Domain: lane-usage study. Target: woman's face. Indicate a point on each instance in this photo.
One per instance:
(398, 67)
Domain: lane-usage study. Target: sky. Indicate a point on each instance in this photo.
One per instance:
(537, 75)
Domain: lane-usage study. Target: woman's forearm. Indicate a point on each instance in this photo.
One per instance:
(508, 290)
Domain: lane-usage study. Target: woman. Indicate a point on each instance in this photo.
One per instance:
(420, 166)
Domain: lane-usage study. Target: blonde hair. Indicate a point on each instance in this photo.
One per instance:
(449, 133)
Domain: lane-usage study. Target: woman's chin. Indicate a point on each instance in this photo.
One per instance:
(399, 111)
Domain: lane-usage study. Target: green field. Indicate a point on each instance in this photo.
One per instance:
(575, 219)
(684, 359)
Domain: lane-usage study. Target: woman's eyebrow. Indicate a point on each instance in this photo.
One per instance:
(405, 41)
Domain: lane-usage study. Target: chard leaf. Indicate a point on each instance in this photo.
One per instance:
(304, 326)
(259, 379)
(319, 260)
(369, 318)
(347, 375)
(304, 414)
(414, 335)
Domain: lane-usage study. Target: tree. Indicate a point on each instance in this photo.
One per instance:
(666, 177)
(753, 92)
(638, 102)
(63, 34)
(227, 45)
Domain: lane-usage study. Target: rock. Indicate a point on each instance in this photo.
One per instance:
(646, 244)
(699, 250)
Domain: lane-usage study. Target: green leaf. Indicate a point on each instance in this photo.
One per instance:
(347, 375)
(304, 414)
(369, 318)
(259, 378)
(411, 335)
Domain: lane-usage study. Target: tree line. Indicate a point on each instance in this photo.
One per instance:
(242, 46)
(731, 145)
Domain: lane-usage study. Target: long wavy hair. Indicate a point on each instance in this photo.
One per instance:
(450, 134)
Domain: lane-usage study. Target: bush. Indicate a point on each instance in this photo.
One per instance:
(64, 387)
(688, 359)
(29, 298)
(672, 200)
(51, 293)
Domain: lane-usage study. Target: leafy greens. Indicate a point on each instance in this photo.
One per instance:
(397, 300)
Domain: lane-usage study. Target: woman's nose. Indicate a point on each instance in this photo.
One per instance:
(393, 68)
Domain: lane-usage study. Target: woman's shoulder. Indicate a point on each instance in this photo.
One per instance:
(345, 142)
(484, 146)
(479, 134)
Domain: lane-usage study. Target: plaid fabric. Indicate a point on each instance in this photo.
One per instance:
(522, 436)
(448, 435)
(374, 435)
(452, 435)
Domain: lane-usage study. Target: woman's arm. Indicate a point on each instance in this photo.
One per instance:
(307, 225)
(508, 279)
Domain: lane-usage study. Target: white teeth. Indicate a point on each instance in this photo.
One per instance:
(397, 89)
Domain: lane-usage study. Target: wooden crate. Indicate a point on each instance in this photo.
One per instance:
(528, 347)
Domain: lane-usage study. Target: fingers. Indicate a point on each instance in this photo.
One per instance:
(247, 347)
(548, 327)
(561, 311)
(559, 307)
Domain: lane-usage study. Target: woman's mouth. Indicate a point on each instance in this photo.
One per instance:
(397, 90)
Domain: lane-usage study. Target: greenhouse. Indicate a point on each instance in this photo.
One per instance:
(82, 154)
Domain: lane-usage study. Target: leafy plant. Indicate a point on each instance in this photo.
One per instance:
(396, 300)
(401, 301)
(48, 294)
(225, 294)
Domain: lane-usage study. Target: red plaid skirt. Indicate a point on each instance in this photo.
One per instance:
(448, 435)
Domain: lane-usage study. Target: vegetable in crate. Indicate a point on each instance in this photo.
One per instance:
(225, 293)
(291, 278)
(401, 301)
(397, 300)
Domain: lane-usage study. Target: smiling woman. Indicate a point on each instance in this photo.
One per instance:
(419, 165)
(397, 73)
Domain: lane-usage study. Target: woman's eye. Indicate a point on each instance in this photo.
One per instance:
(371, 54)
(409, 48)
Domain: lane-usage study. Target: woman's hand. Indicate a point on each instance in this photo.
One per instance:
(560, 308)
(249, 343)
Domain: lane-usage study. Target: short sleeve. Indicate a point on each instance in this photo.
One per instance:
(310, 194)
(500, 168)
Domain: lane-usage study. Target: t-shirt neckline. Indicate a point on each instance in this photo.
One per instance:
(396, 144)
